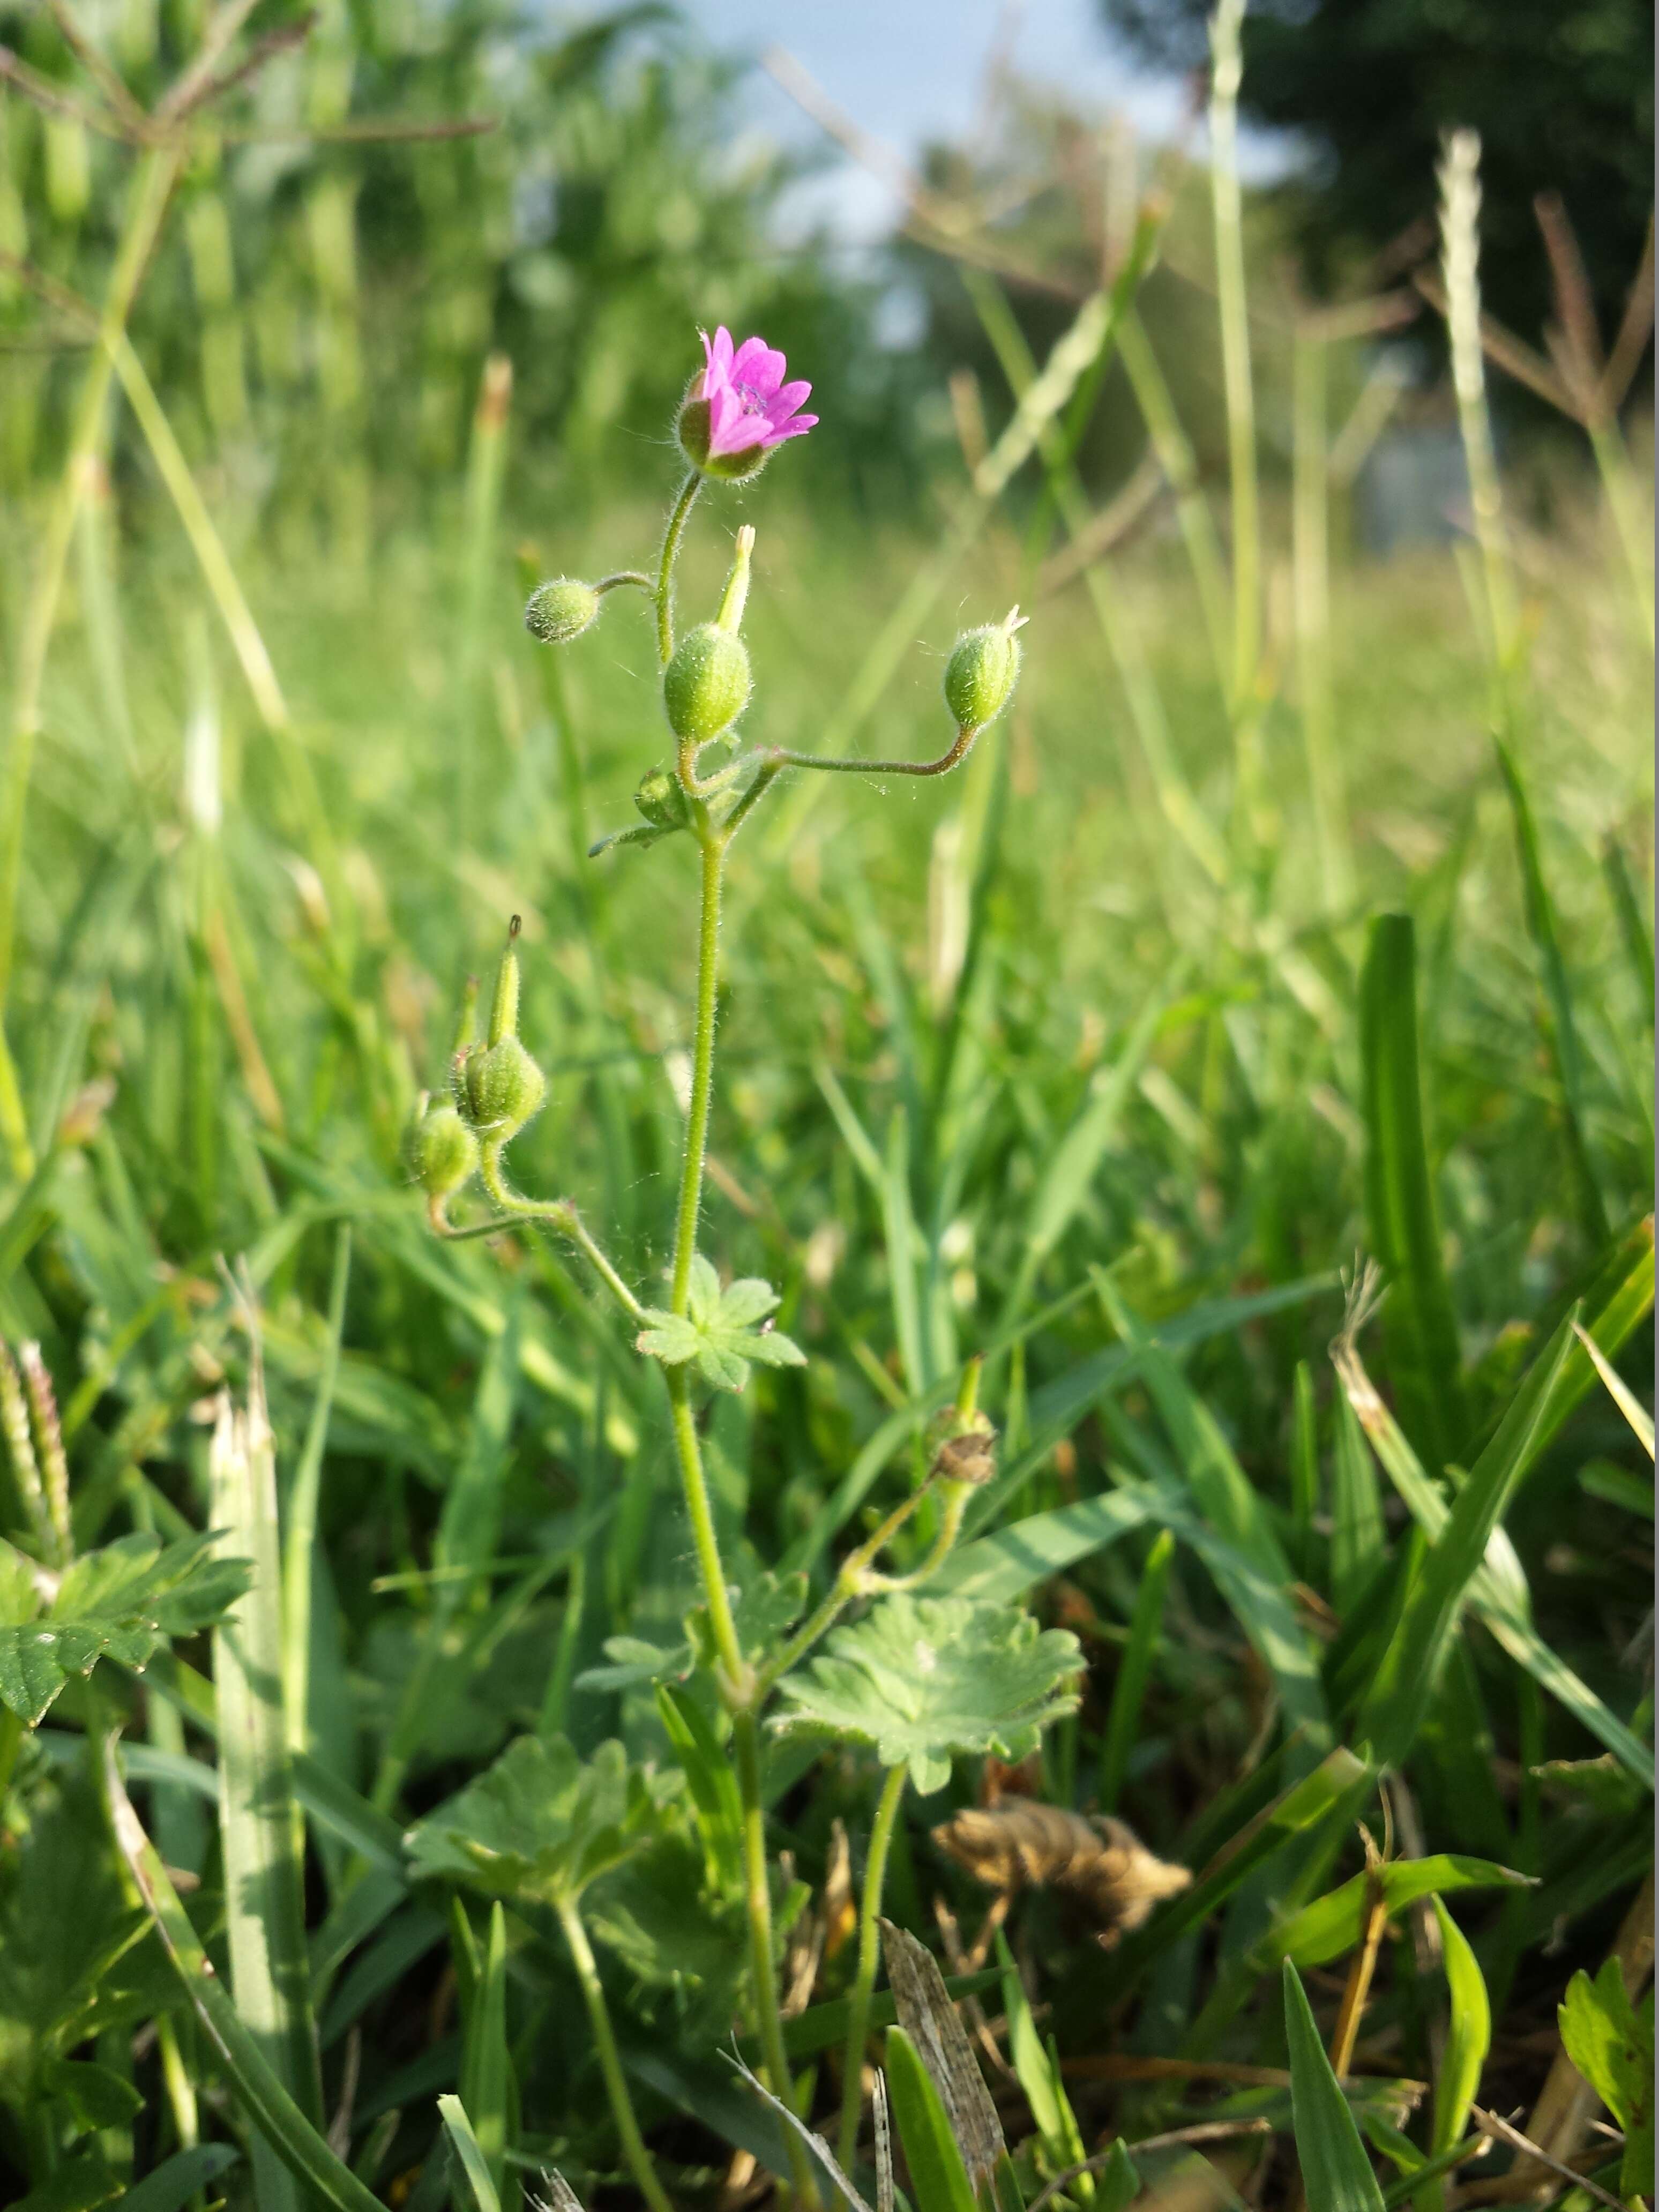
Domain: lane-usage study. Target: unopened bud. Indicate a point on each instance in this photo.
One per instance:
(983, 671)
(561, 609)
(705, 687)
(661, 800)
(441, 1150)
(691, 428)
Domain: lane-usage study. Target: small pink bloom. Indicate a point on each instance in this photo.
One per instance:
(748, 403)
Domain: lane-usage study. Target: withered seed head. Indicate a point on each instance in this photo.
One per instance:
(1100, 1861)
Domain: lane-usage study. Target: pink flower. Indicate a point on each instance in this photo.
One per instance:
(748, 403)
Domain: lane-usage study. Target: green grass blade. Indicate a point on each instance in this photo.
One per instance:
(1134, 1670)
(1120, 2183)
(486, 2070)
(1075, 1160)
(1635, 929)
(1039, 2076)
(711, 1781)
(265, 1903)
(299, 1534)
(1641, 1421)
(1332, 1784)
(479, 2187)
(1429, 2169)
(1332, 1924)
(903, 1246)
(1001, 1566)
(1357, 1542)
(281, 2125)
(938, 2178)
(1560, 1029)
(1616, 1302)
(1336, 2174)
(1405, 1675)
(170, 2186)
(1304, 1468)
(1497, 1591)
(1419, 1321)
(1469, 2038)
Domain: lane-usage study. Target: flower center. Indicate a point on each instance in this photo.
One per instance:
(752, 402)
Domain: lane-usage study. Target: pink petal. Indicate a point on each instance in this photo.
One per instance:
(724, 408)
(786, 401)
(759, 367)
(718, 355)
(746, 431)
(797, 428)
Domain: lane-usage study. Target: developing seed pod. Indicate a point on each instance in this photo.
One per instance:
(498, 1086)
(561, 609)
(705, 687)
(983, 671)
(441, 1151)
(1100, 1862)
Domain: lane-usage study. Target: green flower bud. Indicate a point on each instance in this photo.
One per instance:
(983, 671)
(561, 609)
(441, 1151)
(498, 1087)
(661, 801)
(705, 687)
(691, 428)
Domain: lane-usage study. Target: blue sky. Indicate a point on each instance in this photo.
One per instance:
(911, 69)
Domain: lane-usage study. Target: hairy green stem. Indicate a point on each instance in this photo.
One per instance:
(858, 2019)
(739, 1686)
(745, 1743)
(671, 553)
(702, 1073)
(853, 1580)
(779, 756)
(615, 2082)
(558, 1213)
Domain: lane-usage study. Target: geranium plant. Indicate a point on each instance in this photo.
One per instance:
(1003, 1680)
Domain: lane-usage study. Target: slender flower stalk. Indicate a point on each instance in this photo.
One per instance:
(863, 1980)
(671, 554)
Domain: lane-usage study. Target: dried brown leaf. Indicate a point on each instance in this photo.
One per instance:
(930, 2018)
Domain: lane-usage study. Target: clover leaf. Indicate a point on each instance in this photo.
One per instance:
(722, 1330)
(921, 1678)
(541, 1824)
(122, 1602)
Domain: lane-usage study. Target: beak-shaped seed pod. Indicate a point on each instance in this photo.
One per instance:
(735, 596)
(705, 687)
(498, 1086)
(983, 671)
(561, 609)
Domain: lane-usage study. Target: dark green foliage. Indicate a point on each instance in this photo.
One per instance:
(1561, 92)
